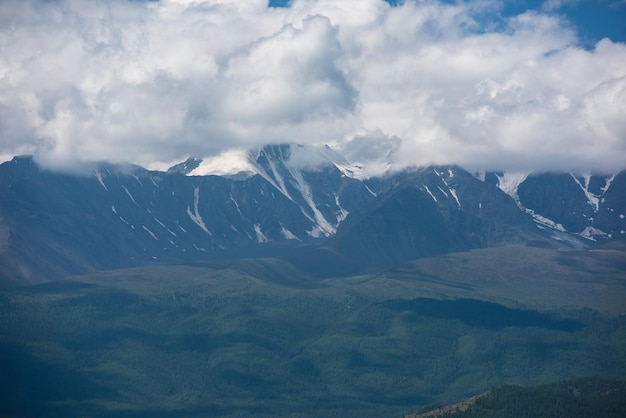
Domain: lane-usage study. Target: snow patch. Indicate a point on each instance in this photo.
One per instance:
(542, 220)
(280, 182)
(351, 171)
(442, 179)
(195, 216)
(288, 234)
(509, 183)
(429, 192)
(453, 193)
(343, 214)
(236, 204)
(229, 163)
(164, 227)
(370, 190)
(149, 232)
(590, 233)
(266, 176)
(130, 195)
(260, 237)
(592, 199)
(99, 177)
(609, 180)
(323, 227)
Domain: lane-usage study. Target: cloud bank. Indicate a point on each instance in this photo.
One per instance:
(422, 82)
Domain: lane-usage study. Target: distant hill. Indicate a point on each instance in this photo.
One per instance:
(579, 398)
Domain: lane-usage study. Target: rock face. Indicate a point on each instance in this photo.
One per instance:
(593, 206)
(288, 199)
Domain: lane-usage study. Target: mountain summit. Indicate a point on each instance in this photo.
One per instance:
(262, 160)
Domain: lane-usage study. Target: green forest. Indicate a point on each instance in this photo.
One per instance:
(179, 341)
(254, 338)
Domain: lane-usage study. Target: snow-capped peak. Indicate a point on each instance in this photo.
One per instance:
(245, 162)
(287, 167)
(232, 162)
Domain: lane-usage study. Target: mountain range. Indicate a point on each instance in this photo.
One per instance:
(308, 205)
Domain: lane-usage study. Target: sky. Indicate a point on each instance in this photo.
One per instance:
(489, 85)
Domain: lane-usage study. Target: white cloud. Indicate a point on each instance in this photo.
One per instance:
(426, 82)
(550, 5)
(288, 78)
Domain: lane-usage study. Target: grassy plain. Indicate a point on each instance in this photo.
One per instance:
(259, 338)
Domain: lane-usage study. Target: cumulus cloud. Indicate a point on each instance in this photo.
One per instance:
(424, 82)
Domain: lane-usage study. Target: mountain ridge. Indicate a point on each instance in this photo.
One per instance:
(309, 202)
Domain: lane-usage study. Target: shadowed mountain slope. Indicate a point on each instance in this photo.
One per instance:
(289, 200)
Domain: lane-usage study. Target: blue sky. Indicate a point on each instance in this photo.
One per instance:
(594, 19)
